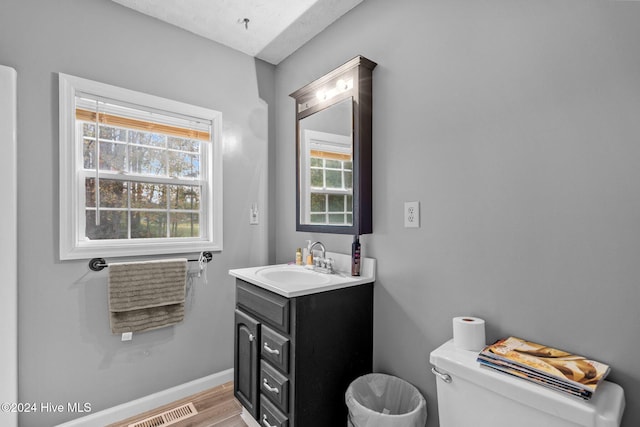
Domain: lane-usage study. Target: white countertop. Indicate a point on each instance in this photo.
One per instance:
(340, 279)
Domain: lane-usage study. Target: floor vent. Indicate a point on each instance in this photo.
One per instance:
(169, 417)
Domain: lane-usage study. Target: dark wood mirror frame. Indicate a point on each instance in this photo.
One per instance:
(359, 70)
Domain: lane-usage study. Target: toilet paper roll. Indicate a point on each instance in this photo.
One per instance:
(468, 333)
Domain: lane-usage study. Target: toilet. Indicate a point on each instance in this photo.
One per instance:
(470, 395)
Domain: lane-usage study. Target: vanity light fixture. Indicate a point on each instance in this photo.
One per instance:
(341, 86)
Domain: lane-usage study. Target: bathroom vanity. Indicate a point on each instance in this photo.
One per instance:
(301, 337)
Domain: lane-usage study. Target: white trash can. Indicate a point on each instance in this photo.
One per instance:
(379, 400)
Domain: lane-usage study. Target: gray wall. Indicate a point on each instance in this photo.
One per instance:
(66, 350)
(515, 124)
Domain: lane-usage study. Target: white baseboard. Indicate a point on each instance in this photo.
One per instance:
(147, 403)
(248, 419)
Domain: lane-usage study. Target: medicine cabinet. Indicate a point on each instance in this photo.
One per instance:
(333, 151)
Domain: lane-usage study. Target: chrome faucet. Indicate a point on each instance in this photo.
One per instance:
(322, 248)
(322, 264)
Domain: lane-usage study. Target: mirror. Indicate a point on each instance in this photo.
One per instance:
(326, 166)
(333, 147)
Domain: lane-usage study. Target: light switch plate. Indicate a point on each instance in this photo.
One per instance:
(412, 214)
(253, 215)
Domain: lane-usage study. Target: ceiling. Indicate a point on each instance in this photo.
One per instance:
(274, 28)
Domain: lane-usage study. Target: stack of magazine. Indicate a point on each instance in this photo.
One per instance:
(556, 369)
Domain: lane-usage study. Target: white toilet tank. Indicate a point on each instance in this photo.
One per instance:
(481, 397)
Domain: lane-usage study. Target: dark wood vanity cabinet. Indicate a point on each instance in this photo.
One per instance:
(295, 357)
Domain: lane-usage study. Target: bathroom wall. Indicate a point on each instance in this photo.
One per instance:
(66, 350)
(515, 124)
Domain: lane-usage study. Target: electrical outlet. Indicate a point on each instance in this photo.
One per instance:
(411, 214)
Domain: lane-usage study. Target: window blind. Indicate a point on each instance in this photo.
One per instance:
(331, 155)
(107, 112)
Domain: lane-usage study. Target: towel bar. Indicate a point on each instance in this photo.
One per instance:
(98, 264)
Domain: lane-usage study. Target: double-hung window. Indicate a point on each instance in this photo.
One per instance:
(328, 166)
(331, 190)
(139, 174)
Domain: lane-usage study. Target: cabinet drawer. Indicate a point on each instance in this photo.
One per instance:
(270, 416)
(274, 385)
(271, 307)
(275, 349)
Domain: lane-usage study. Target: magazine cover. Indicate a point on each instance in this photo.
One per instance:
(556, 364)
(539, 379)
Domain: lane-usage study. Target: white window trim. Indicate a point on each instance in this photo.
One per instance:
(73, 245)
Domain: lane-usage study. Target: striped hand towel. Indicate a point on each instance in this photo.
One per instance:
(146, 295)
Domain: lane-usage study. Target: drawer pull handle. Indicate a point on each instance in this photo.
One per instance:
(265, 423)
(252, 337)
(266, 385)
(270, 350)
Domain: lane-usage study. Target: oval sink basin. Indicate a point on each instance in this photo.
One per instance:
(293, 276)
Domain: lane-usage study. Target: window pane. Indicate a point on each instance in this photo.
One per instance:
(90, 192)
(318, 219)
(113, 194)
(146, 161)
(348, 166)
(185, 225)
(148, 196)
(112, 156)
(184, 165)
(348, 180)
(349, 203)
(318, 202)
(185, 197)
(148, 225)
(317, 178)
(113, 225)
(334, 179)
(146, 138)
(336, 203)
(333, 164)
(89, 130)
(182, 144)
(316, 162)
(113, 134)
(336, 219)
(88, 153)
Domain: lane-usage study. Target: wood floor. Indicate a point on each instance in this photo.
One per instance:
(216, 408)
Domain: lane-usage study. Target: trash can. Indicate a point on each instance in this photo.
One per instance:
(379, 400)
